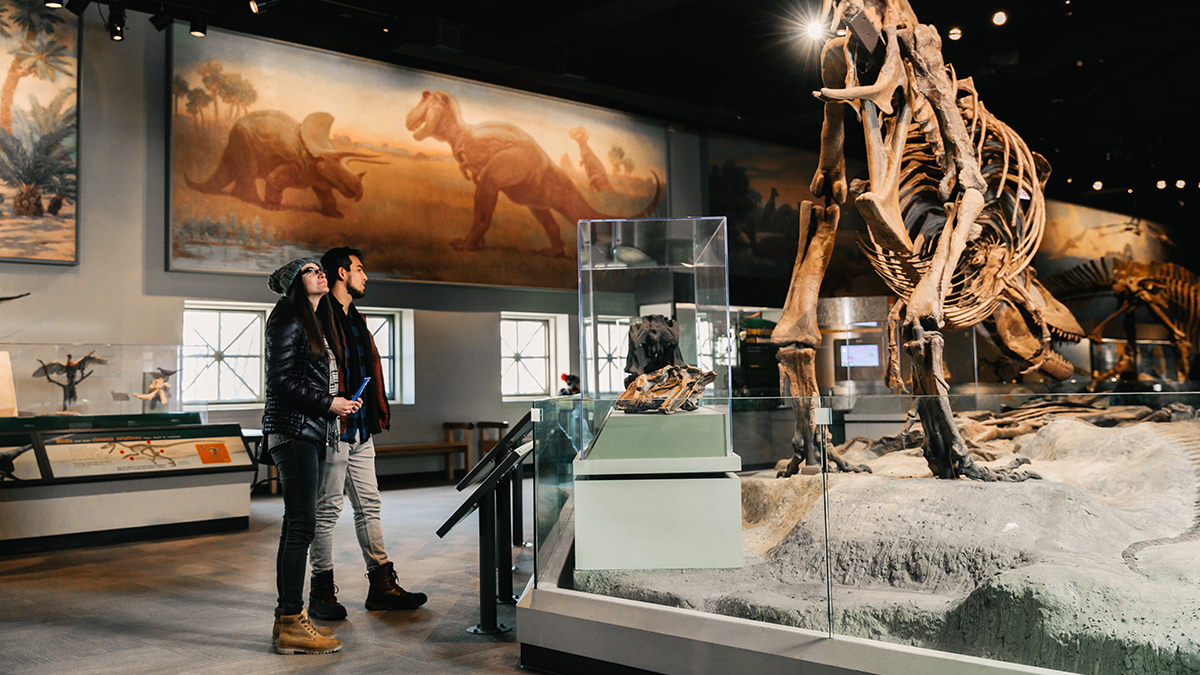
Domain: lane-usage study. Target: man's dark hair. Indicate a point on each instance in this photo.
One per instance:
(338, 259)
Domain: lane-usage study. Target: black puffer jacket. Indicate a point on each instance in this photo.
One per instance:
(298, 397)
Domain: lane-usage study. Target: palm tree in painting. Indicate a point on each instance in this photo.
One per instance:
(46, 121)
(37, 55)
(33, 168)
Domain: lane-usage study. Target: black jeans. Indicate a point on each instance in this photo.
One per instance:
(300, 466)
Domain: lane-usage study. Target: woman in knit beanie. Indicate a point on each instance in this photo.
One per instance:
(299, 417)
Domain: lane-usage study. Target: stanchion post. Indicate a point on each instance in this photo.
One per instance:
(487, 570)
(504, 557)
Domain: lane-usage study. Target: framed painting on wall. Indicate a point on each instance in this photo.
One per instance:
(758, 187)
(38, 133)
(279, 151)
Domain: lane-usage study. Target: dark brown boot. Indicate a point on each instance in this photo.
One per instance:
(322, 598)
(386, 593)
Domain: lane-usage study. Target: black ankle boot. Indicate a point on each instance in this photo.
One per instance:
(386, 593)
(322, 598)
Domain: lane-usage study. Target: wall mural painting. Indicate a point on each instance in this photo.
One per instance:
(1079, 234)
(758, 187)
(39, 58)
(280, 151)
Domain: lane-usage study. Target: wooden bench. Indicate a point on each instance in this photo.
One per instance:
(448, 447)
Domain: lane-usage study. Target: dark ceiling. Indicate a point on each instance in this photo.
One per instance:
(1096, 87)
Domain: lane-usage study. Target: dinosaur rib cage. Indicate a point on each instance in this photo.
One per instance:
(1178, 287)
(1005, 235)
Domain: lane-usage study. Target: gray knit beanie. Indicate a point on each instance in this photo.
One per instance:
(282, 278)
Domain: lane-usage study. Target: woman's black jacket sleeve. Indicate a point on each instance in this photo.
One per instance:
(297, 396)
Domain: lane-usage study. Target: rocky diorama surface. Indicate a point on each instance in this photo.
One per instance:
(1091, 569)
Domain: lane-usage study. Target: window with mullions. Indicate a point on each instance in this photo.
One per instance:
(525, 357)
(612, 346)
(223, 355)
(383, 332)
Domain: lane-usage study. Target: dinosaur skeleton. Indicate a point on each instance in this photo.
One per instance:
(954, 211)
(1170, 292)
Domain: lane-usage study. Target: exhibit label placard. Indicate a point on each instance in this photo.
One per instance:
(106, 452)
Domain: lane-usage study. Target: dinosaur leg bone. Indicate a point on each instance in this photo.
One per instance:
(798, 323)
(831, 164)
(945, 451)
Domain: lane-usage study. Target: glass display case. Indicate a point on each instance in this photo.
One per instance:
(1080, 557)
(94, 379)
(629, 269)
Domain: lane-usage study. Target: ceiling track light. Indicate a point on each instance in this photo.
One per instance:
(116, 20)
(162, 19)
(78, 7)
(260, 6)
(54, 4)
(199, 25)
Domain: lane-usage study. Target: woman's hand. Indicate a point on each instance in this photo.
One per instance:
(341, 406)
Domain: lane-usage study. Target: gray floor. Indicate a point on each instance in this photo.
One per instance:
(204, 604)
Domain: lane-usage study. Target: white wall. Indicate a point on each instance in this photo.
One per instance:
(120, 293)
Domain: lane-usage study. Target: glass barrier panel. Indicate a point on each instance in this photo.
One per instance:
(94, 379)
(1066, 541)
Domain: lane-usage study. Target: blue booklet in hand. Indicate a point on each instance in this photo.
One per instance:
(361, 387)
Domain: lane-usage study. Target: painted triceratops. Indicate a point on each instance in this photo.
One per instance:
(271, 145)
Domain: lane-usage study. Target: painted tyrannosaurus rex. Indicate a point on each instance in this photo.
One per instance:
(500, 157)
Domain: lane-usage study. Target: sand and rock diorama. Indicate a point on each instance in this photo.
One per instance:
(1090, 569)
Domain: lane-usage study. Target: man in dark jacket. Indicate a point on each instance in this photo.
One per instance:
(351, 470)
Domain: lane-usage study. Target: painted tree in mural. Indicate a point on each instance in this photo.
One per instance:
(34, 160)
(179, 89)
(37, 54)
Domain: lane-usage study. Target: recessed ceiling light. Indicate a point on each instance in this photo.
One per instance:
(1130, 191)
(1179, 184)
(1098, 185)
(1161, 184)
(999, 18)
(955, 33)
(1069, 180)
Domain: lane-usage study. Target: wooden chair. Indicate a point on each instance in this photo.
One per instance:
(490, 434)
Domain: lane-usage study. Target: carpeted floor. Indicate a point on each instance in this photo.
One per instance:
(204, 604)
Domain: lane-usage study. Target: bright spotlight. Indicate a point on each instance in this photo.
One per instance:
(955, 34)
(1098, 185)
(999, 18)
(815, 30)
(1179, 184)
(1161, 184)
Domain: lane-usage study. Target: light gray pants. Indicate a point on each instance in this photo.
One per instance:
(349, 472)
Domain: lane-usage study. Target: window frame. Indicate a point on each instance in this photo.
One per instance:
(264, 311)
(404, 391)
(558, 349)
(403, 357)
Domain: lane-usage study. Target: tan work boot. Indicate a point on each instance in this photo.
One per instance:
(323, 630)
(297, 635)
